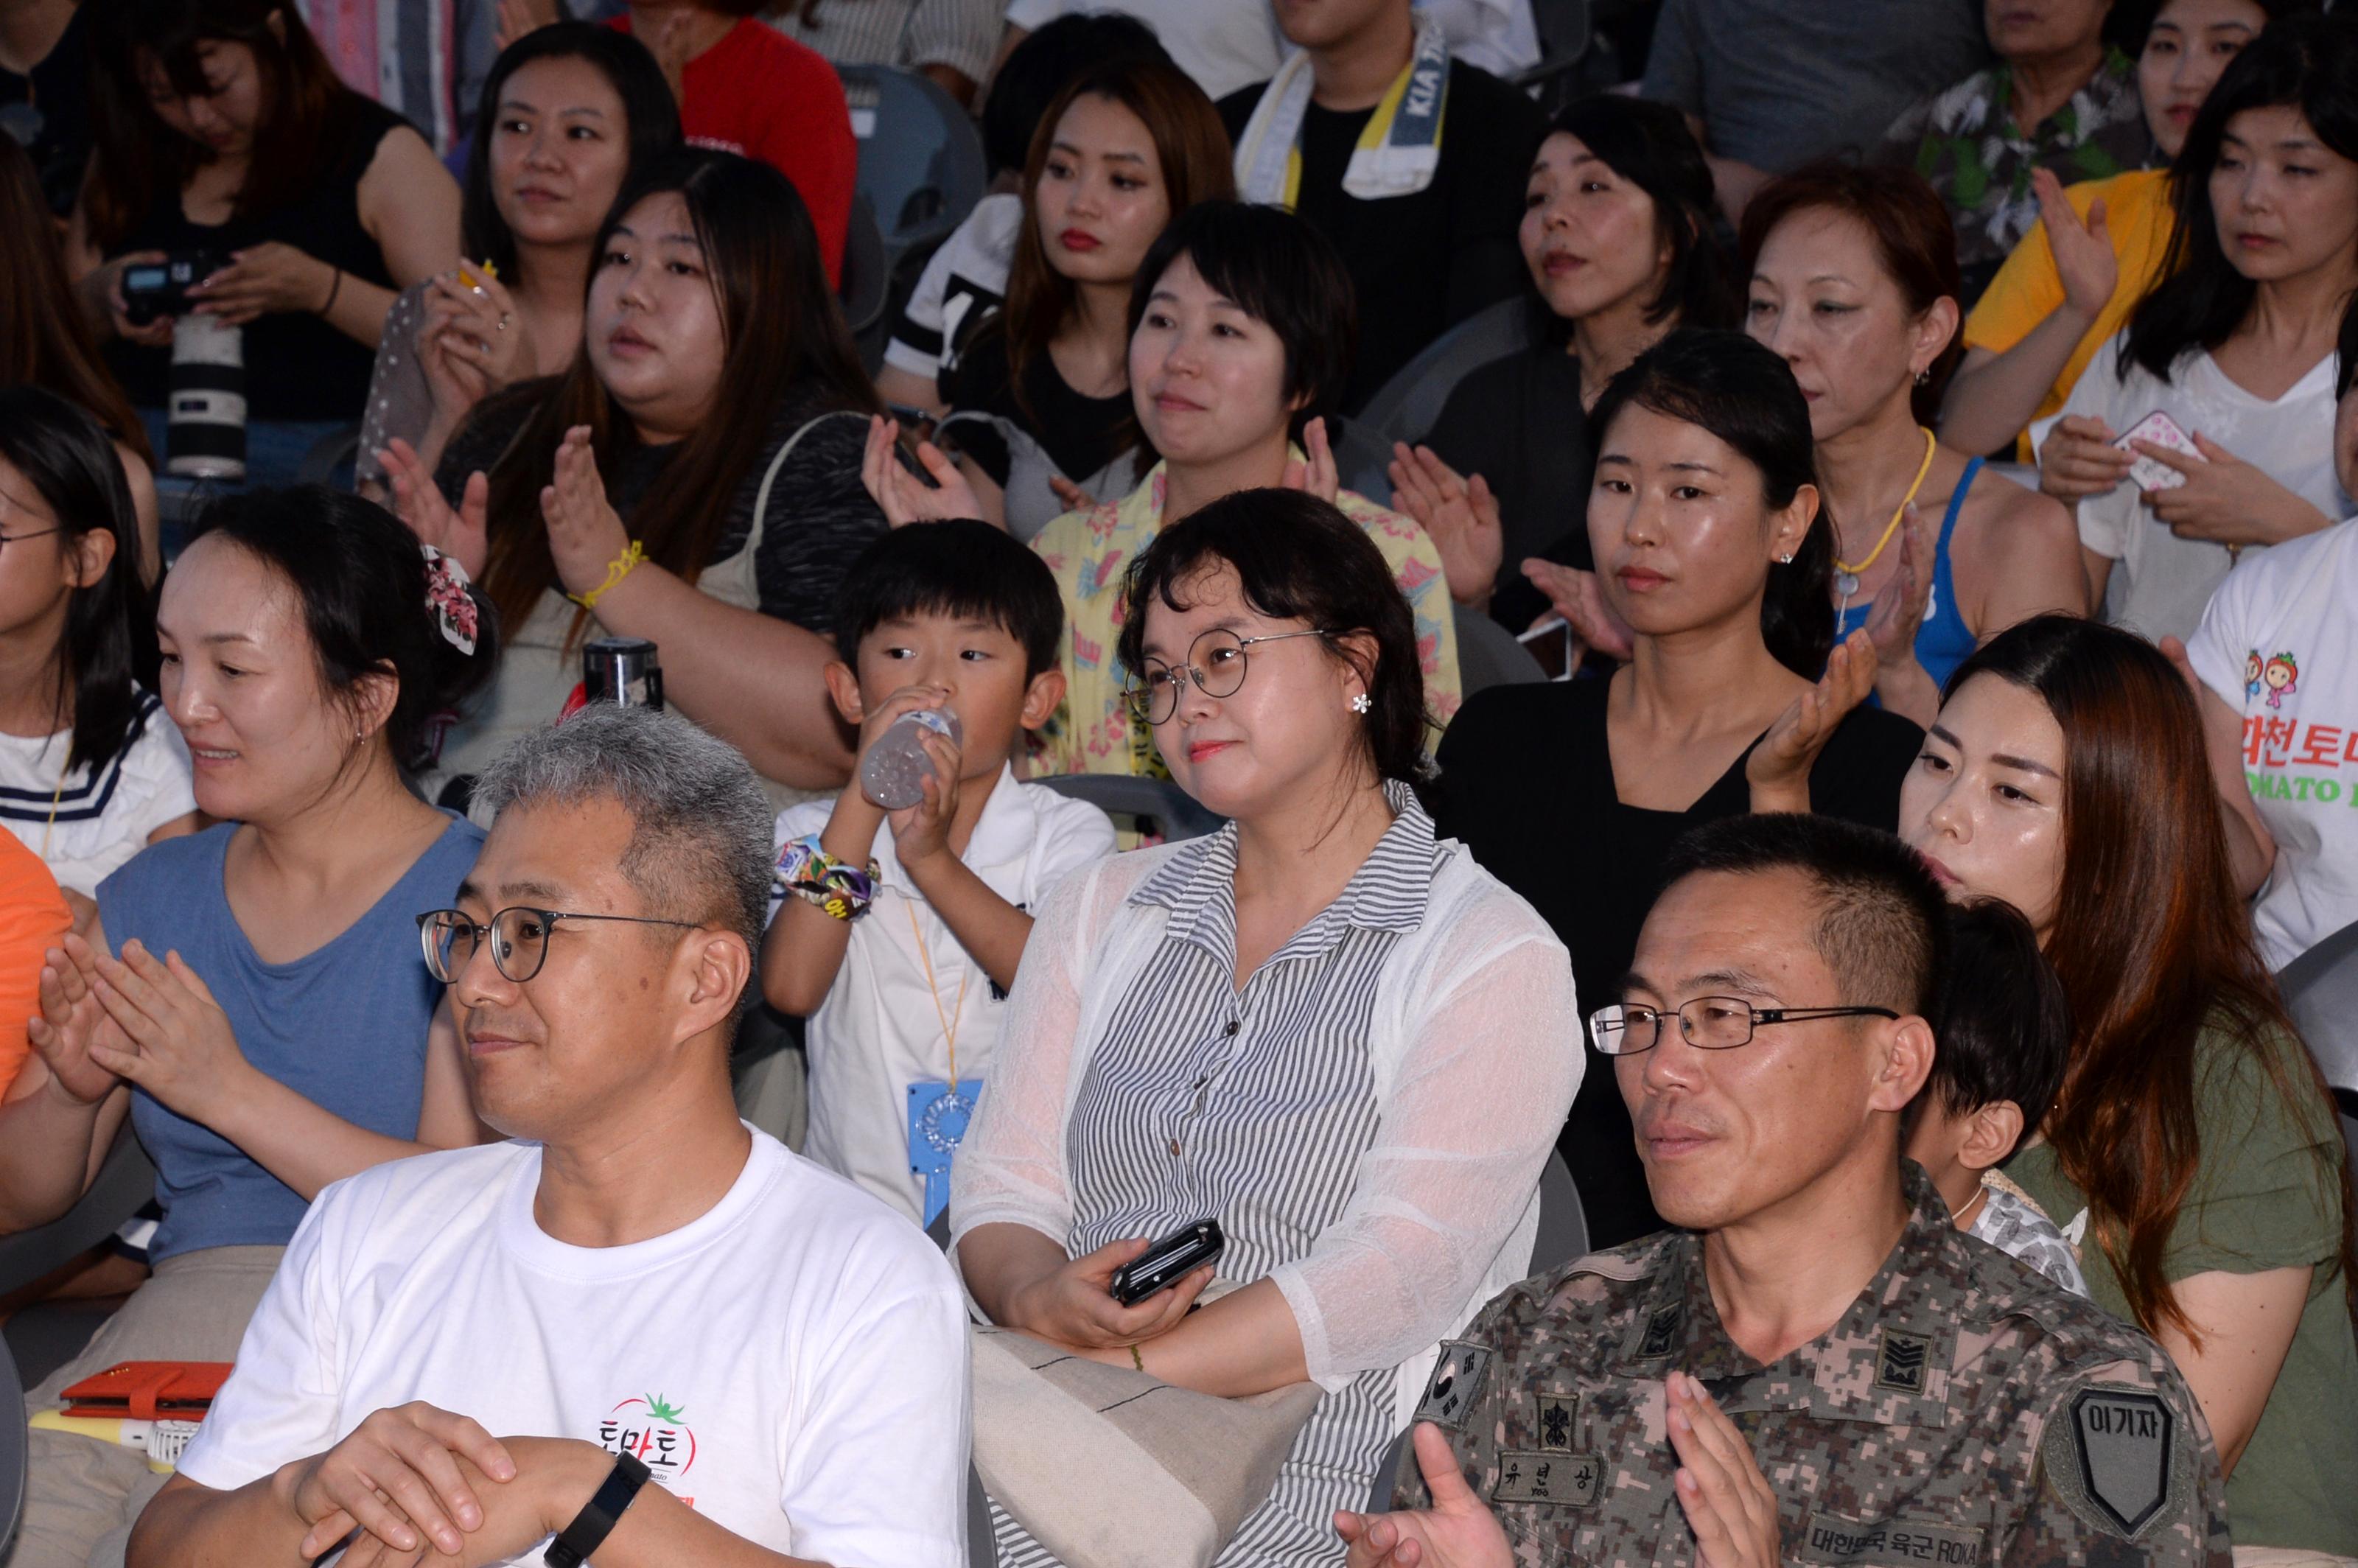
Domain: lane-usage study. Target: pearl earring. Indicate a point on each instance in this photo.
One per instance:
(1361, 704)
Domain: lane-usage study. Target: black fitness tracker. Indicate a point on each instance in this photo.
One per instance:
(599, 1516)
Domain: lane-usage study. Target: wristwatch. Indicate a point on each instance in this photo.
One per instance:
(598, 1517)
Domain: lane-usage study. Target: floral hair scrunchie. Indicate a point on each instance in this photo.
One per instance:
(447, 597)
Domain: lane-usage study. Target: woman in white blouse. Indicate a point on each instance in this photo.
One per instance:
(2235, 346)
(1340, 1038)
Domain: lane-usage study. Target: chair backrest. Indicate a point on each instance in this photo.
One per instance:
(1489, 655)
(1406, 407)
(1158, 801)
(2320, 990)
(12, 1446)
(866, 281)
(126, 1183)
(1562, 1236)
(1563, 1224)
(920, 163)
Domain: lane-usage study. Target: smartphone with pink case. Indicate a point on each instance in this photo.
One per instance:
(2161, 430)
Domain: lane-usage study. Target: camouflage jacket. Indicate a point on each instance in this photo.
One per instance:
(1965, 1413)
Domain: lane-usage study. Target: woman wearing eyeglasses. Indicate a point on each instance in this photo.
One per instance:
(1322, 1026)
(1711, 545)
(263, 1022)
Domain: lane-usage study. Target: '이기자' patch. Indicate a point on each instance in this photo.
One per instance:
(1569, 1480)
(1901, 1366)
(2112, 1455)
(1888, 1543)
(1457, 1379)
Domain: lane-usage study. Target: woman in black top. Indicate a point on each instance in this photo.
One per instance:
(1040, 394)
(1617, 236)
(222, 129)
(693, 478)
(1710, 543)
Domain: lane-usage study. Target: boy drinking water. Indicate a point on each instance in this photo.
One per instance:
(900, 946)
(2001, 1035)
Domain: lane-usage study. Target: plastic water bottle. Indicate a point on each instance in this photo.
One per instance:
(893, 774)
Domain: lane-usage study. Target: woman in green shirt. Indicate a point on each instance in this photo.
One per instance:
(2193, 1154)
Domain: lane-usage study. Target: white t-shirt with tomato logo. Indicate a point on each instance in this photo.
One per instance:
(793, 1363)
(2279, 645)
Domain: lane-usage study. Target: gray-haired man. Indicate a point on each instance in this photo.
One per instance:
(638, 1289)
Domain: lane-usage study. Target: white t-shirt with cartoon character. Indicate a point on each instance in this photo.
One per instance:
(2279, 645)
(791, 1363)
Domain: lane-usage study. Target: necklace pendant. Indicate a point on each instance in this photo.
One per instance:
(1846, 584)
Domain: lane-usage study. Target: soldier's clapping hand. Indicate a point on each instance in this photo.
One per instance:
(1728, 1501)
(1459, 1531)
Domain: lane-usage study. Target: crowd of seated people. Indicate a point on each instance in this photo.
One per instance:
(1806, 1060)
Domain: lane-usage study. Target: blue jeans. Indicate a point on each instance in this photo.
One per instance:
(275, 451)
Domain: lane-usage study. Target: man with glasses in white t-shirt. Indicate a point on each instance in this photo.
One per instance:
(640, 1327)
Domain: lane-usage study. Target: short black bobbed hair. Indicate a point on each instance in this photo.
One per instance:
(362, 584)
(1744, 392)
(1297, 558)
(961, 567)
(2003, 1022)
(1883, 923)
(1281, 272)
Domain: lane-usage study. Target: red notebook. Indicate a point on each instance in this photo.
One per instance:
(149, 1391)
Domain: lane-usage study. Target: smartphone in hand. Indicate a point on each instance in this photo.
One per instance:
(1168, 1262)
(2161, 430)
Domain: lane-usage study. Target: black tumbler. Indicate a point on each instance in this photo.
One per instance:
(624, 670)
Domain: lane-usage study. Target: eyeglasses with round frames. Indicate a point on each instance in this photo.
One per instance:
(519, 938)
(1706, 1022)
(1216, 662)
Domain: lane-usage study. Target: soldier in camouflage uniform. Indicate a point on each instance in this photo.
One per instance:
(1961, 1412)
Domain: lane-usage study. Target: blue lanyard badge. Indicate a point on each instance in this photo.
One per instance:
(938, 1115)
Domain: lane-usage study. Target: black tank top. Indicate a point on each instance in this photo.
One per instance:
(296, 366)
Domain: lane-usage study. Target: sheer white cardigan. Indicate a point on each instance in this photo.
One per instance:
(1474, 1043)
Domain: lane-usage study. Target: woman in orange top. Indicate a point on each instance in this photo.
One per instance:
(2069, 285)
(33, 919)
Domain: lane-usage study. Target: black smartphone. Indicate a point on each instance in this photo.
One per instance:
(1168, 1262)
(156, 289)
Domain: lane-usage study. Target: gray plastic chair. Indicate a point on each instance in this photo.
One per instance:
(920, 163)
(1562, 1236)
(1406, 407)
(12, 1447)
(2320, 990)
(866, 281)
(126, 1183)
(1158, 801)
(1489, 655)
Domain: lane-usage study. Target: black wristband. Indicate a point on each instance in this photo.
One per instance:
(599, 1516)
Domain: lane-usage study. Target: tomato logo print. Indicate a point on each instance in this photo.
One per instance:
(654, 1431)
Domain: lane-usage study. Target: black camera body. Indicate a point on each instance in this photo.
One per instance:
(152, 290)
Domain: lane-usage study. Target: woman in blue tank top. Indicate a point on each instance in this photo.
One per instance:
(1854, 280)
(268, 1024)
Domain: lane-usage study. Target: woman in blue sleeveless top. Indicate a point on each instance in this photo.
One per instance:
(265, 1019)
(1854, 280)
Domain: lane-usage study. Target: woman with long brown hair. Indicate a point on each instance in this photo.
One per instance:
(2193, 1150)
(222, 130)
(693, 478)
(1041, 393)
(45, 342)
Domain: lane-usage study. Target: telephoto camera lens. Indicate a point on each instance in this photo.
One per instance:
(206, 398)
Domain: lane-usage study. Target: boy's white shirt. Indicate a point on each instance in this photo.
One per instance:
(879, 1029)
(792, 1362)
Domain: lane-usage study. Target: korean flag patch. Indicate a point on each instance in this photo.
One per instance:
(1456, 1382)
